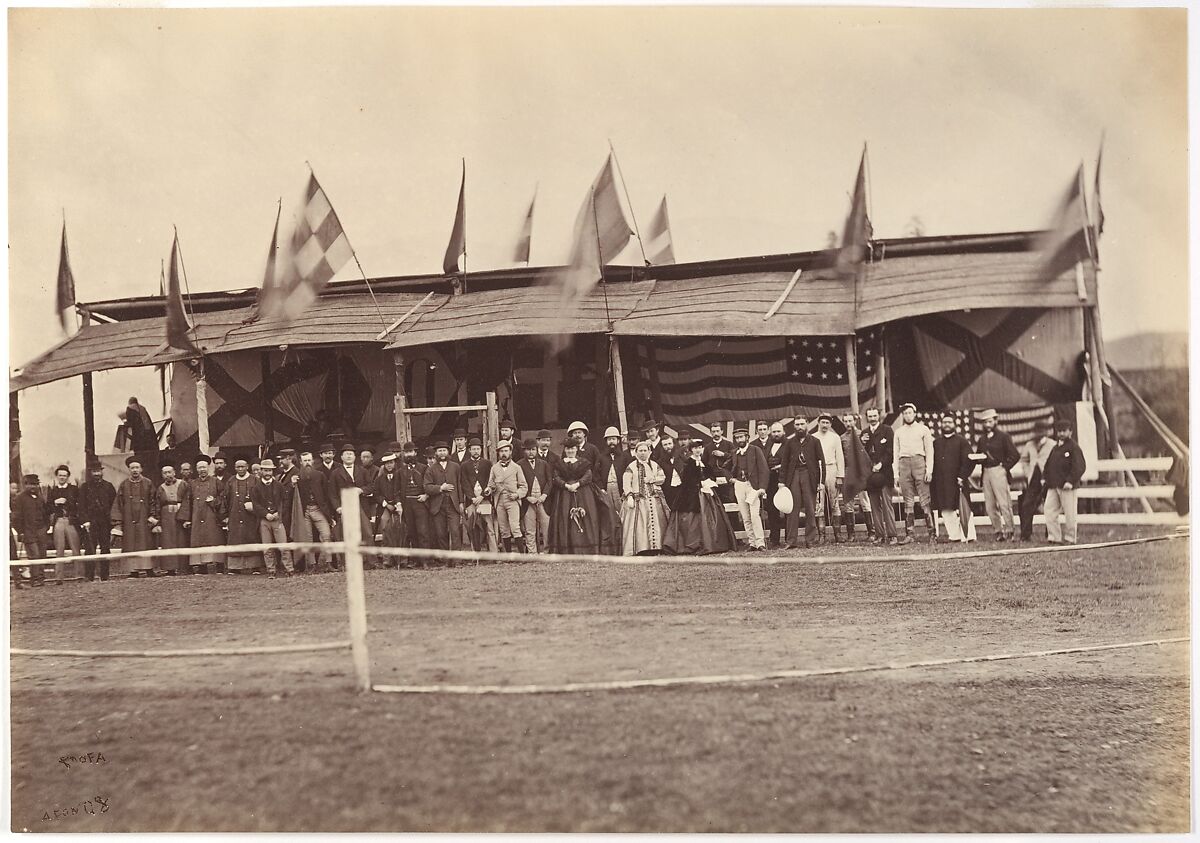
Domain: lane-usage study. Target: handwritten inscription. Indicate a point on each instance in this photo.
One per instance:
(90, 758)
(95, 805)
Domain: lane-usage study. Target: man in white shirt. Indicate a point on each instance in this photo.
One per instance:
(1033, 461)
(912, 466)
(835, 475)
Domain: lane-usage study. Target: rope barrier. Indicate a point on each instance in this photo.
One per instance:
(177, 654)
(882, 554)
(748, 678)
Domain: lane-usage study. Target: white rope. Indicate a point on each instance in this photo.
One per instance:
(881, 554)
(174, 654)
(745, 678)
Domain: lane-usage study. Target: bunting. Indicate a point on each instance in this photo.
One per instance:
(660, 249)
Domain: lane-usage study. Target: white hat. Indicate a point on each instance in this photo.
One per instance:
(612, 431)
(577, 425)
(783, 500)
(984, 415)
(504, 443)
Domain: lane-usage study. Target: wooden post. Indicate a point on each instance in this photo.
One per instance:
(618, 382)
(356, 598)
(89, 405)
(14, 438)
(403, 429)
(491, 426)
(852, 373)
(268, 418)
(881, 376)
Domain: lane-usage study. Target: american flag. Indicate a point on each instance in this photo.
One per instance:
(1020, 424)
(740, 379)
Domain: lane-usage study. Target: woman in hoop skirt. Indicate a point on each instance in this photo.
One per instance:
(645, 516)
(574, 517)
(698, 523)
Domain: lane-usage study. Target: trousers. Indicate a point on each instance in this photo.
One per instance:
(65, 533)
(537, 527)
(508, 517)
(1061, 502)
(273, 531)
(912, 483)
(997, 499)
(804, 497)
(750, 508)
(881, 512)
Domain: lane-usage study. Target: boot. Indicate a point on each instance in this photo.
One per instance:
(849, 519)
(908, 528)
(837, 531)
(820, 531)
(929, 528)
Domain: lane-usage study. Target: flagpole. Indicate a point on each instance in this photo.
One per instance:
(600, 251)
(625, 188)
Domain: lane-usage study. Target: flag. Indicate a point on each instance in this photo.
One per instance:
(457, 247)
(521, 254)
(65, 298)
(659, 247)
(748, 378)
(315, 251)
(601, 232)
(1096, 190)
(270, 293)
(1065, 242)
(857, 233)
(178, 326)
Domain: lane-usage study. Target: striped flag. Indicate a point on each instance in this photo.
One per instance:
(521, 254)
(857, 233)
(708, 379)
(65, 293)
(178, 325)
(457, 247)
(659, 247)
(315, 251)
(1065, 243)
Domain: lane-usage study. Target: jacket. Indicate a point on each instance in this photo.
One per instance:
(998, 449)
(541, 470)
(95, 501)
(507, 482)
(314, 490)
(751, 466)
(880, 447)
(267, 498)
(69, 509)
(1065, 464)
(435, 476)
(29, 517)
(184, 493)
(803, 455)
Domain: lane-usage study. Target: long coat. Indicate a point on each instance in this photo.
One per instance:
(858, 464)
(568, 535)
(133, 505)
(243, 524)
(951, 465)
(206, 518)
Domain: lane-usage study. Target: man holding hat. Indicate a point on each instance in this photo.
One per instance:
(132, 516)
(506, 485)
(750, 477)
(804, 468)
(1033, 460)
(207, 512)
(539, 481)
(912, 467)
(775, 454)
(96, 497)
(443, 484)
(1064, 472)
(268, 498)
(999, 456)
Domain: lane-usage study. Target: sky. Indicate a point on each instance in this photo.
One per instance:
(751, 121)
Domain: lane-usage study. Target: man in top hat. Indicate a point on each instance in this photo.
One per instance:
(349, 475)
(750, 477)
(804, 469)
(912, 466)
(62, 499)
(443, 485)
(999, 457)
(132, 516)
(459, 446)
(1064, 472)
(949, 492)
(539, 477)
(835, 476)
(29, 520)
(479, 520)
(208, 510)
(270, 500)
(96, 497)
(507, 487)
(1033, 460)
(173, 508)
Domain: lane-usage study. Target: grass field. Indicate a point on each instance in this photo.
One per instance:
(1094, 742)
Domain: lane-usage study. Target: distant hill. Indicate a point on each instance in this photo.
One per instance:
(1160, 350)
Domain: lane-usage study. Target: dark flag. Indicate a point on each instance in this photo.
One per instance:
(1096, 191)
(65, 298)
(857, 233)
(1065, 243)
(521, 254)
(457, 247)
(178, 326)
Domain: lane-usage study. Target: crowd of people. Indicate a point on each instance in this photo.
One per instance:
(641, 492)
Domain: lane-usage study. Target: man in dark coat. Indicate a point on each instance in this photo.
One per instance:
(951, 467)
(878, 441)
(750, 476)
(269, 500)
(132, 515)
(62, 501)
(775, 452)
(96, 498)
(1033, 457)
(804, 469)
(858, 469)
(143, 439)
(29, 520)
(999, 457)
(479, 521)
(443, 484)
(1064, 472)
(350, 475)
(416, 529)
(535, 513)
(316, 502)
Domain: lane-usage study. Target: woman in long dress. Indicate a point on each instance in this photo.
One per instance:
(698, 523)
(575, 515)
(645, 516)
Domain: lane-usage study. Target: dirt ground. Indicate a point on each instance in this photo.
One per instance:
(1093, 742)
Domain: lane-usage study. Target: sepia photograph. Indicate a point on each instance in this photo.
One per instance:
(599, 419)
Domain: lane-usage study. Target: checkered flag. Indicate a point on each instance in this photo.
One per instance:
(316, 250)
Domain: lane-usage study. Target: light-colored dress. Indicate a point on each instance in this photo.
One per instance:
(645, 512)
